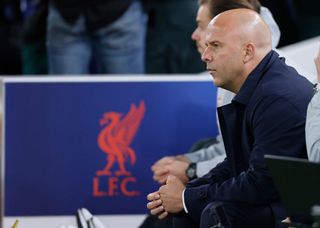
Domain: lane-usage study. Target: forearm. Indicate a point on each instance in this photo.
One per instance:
(207, 153)
(204, 167)
(216, 175)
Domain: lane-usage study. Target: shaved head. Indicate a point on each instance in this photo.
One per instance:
(237, 40)
(245, 25)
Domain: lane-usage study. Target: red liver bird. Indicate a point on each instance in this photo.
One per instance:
(116, 136)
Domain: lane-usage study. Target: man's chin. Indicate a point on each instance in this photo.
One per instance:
(216, 82)
(217, 85)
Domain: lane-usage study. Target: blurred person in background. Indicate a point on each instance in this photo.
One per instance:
(168, 46)
(307, 17)
(298, 20)
(96, 36)
(10, 37)
(34, 52)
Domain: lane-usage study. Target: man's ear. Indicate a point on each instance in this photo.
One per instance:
(249, 51)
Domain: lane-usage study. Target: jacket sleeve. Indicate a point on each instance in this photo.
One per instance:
(217, 174)
(205, 166)
(277, 127)
(205, 154)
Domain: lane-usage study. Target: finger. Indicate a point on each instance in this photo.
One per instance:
(156, 178)
(162, 189)
(155, 167)
(157, 210)
(161, 171)
(160, 179)
(153, 196)
(163, 215)
(162, 161)
(163, 180)
(154, 204)
(150, 196)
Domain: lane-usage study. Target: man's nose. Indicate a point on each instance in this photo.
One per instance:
(206, 56)
(194, 35)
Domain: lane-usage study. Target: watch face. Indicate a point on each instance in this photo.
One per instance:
(191, 172)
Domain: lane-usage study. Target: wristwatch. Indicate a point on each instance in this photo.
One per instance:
(191, 171)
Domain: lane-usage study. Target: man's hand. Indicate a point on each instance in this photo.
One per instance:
(163, 161)
(155, 205)
(171, 195)
(183, 158)
(159, 168)
(176, 168)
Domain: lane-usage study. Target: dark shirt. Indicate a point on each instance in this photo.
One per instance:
(97, 13)
(267, 116)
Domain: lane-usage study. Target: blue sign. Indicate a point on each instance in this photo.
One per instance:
(91, 144)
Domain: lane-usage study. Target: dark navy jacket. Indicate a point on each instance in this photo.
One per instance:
(267, 116)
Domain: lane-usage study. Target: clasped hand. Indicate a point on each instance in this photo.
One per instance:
(170, 165)
(168, 199)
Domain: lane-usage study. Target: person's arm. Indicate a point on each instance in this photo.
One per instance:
(205, 154)
(178, 165)
(218, 174)
(204, 167)
(255, 185)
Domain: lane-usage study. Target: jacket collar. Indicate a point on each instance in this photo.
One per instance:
(251, 83)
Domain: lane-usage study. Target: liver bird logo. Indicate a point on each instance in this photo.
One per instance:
(116, 136)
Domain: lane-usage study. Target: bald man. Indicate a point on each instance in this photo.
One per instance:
(267, 116)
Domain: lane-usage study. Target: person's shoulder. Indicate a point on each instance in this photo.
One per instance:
(284, 82)
(282, 75)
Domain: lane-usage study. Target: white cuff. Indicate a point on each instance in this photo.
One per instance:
(184, 205)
